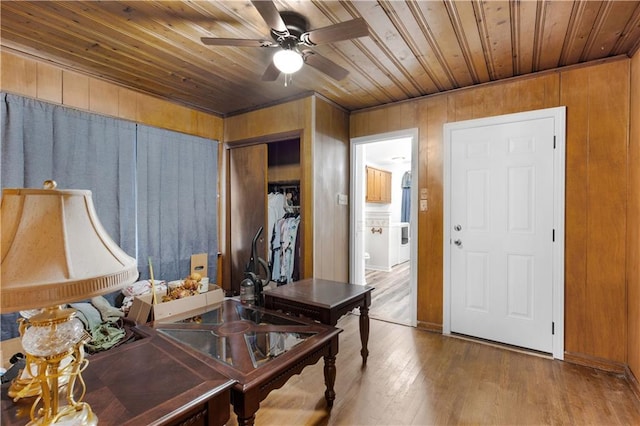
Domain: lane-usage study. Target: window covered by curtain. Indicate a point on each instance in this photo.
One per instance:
(177, 197)
(155, 191)
(78, 150)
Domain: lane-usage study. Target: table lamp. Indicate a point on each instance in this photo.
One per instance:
(55, 251)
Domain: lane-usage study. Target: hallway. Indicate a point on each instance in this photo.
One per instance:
(391, 297)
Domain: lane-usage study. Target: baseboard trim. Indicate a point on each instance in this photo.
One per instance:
(633, 382)
(595, 362)
(429, 326)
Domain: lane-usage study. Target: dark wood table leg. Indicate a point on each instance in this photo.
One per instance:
(249, 421)
(364, 332)
(329, 378)
(245, 406)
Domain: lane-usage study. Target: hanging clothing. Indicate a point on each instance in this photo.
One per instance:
(284, 249)
(405, 213)
(275, 202)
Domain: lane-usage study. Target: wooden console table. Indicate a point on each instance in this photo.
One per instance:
(325, 301)
(146, 382)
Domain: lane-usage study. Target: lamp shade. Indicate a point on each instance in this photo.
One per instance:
(287, 61)
(55, 250)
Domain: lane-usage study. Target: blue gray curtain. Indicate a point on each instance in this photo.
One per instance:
(405, 212)
(78, 150)
(155, 191)
(177, 197)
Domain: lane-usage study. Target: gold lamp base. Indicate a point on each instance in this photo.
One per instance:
(54, 343)
(23, 389)
(78, 415)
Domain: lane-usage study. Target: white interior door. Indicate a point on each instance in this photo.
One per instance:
(502, 232)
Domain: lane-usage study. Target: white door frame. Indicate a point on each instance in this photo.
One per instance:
(558, 114)
(357, 191)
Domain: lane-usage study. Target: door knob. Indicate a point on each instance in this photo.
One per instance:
(458, 243)
(458, 228)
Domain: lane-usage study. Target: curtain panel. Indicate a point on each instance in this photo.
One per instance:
(177, 195)
(78, 150)
(42, 141)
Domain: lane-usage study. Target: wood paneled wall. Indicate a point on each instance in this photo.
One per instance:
(597, 100)
(331, 177)
(633, 225)
(28, 77)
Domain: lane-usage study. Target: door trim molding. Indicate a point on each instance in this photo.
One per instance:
(559, 116)
(413, 219)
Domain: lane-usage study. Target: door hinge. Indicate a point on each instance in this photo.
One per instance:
(553, 235)
(554, 141)
(553, 328)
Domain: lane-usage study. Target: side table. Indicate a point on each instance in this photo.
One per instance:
(324, 301)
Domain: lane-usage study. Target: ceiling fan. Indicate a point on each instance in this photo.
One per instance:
(290, 33)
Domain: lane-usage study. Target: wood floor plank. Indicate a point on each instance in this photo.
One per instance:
(416, 377)
(392, 295)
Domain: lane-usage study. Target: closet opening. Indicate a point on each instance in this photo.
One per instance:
(264, 190)
(283, 207)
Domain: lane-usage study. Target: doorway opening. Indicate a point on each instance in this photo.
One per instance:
(383, 240)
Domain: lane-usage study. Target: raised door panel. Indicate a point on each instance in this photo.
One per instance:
(373, 187)
(385, 187)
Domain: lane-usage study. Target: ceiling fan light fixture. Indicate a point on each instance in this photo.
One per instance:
(288, 61)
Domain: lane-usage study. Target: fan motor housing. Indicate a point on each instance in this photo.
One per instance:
(296, 25)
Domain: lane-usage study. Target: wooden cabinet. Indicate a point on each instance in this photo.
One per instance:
(378, 186)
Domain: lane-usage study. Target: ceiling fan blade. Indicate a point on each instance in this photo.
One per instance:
(270, 14)
(212, 41)
(271, 73)
(342, 31)
(325, 65)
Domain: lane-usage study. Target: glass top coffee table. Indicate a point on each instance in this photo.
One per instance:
(259, 349)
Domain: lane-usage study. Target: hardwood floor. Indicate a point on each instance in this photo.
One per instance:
(415, 377)
(391, 297)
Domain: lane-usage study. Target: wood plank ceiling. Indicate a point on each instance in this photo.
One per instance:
(414, 48)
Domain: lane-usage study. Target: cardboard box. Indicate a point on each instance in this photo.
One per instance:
(199, 264)
(8, 348)
(142, 310)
